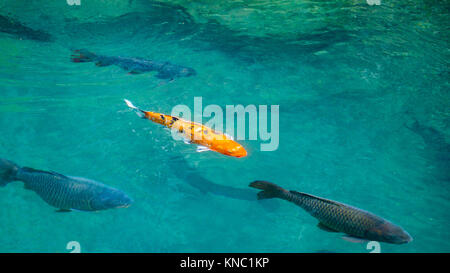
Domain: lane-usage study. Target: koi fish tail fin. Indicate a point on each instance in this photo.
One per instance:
(8, 171)
(269, 190)
(139, 112)
(82, 56)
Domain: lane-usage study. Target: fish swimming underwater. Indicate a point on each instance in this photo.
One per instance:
(64, 192)
(338, 217)
(165, 70)
(16, 28)
(196, 133)
(436, 150)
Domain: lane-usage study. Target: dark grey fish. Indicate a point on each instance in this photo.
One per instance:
(64, 192)
(437, 149)
(338, 217)
(165, 70)
(433, 139)
(16, 28)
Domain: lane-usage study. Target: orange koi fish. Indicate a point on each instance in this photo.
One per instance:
(196, 133)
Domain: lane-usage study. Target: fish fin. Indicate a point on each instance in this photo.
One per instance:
(324, 227)
(353, 239)
(102, 63)
(64, 210)
(269, 190)
(31, 170)
(230, 137)
(82, 179)
(139, 112)
(130, 104)
(202, 149)
(134, 72)
(413, 126)
(8, 171)
(316, 197)
(82, 56)
(187, 141)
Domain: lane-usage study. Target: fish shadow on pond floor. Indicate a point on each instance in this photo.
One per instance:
(190, 175)
(20, 31)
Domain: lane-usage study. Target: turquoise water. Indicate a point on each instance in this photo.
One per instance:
(364, 119)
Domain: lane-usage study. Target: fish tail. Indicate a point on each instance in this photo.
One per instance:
(8, 171)
(139, 112)
(269, 190)
(413, 126)
(82, 56)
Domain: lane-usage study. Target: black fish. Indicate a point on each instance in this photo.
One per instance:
(165, 70)
(437, 149)
(14, 27)
(433, 139)
(338, 217)
(64, 192)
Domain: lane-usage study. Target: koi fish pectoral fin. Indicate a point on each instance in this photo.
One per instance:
(353, 239)
(202, 149)
(324, 227)
(229, 136)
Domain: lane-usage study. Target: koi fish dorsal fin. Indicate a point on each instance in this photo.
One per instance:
(303, 195)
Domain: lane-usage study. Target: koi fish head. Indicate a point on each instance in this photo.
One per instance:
(218, 142)
(390, 233)
(234, 149)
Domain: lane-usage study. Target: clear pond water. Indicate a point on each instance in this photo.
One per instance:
(364, 119)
